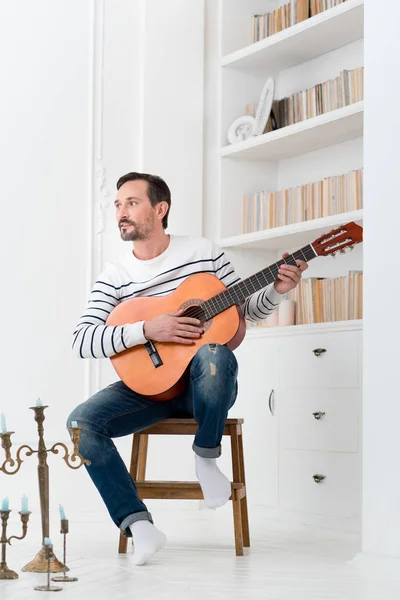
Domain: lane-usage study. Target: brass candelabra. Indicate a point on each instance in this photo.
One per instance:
(48, 555)
(64, 530)
(11, 466)
(5, 572)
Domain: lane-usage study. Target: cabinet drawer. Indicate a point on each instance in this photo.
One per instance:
(321, 360)
(319, 419)
(339, 494)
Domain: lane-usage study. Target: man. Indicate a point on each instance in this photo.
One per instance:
(156, 266)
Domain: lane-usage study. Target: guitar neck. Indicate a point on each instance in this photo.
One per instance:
(237, 294)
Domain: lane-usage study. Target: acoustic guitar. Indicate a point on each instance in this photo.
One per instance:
(159, 370)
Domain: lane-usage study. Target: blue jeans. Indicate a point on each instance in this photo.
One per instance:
(118, 411)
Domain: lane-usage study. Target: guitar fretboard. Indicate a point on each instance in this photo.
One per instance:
(237, 293)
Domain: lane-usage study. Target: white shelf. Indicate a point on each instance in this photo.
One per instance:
(257, 332)
(296, 235)
(313, 37)
(318, 132)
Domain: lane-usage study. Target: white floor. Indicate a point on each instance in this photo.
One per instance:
(285, 562)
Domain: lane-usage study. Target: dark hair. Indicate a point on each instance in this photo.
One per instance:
(157, 191)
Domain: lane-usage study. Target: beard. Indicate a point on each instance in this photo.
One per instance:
(138, 232)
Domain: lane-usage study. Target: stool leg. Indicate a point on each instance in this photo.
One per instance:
(237, 521)
(245, 514)
(135, 454)
(133, 470)
(142, 459)
(237, 478)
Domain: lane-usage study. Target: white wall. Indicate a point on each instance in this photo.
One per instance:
(45, 179)
(46, 156)
(381, 497)
(173, 86)
(76, 102)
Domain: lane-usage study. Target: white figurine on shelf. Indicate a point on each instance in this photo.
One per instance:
(242, 129)
(246, 127)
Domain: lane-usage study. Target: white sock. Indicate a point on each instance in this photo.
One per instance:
(215, 486)
(147, 541)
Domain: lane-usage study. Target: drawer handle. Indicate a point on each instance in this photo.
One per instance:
(319, 351)
(271, 396)
(319, 478)
(318, 415)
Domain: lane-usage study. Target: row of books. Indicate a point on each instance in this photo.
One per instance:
(281, 18)
(336, 93)
(285, 16)
(333, 94)
(330, 196)
(318, 6)
(322, 300)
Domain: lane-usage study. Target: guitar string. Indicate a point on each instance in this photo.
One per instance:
(196, 312)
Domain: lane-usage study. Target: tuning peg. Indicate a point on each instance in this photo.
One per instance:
(351, 247)
(334, 254)
(343, 251)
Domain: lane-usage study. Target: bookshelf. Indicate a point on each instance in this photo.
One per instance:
(318, 132)
(295, 235)
(288, 374)
(299, 57)
(308, 39)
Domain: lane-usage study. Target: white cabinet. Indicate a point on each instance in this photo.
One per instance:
(300, 396)
(323, 483)
(320, 419)
(320, 360)
(258, 371)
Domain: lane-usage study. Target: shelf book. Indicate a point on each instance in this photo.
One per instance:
(323, 300)
(289, 14)
(330, 196)
(347, 88)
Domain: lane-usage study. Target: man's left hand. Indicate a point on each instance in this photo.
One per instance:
(289, 275)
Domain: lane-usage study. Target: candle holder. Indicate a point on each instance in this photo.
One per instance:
(48, 555)
(11, 466)
(64, 530)
(5, 572)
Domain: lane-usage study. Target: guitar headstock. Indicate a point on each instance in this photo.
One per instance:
(337, 240)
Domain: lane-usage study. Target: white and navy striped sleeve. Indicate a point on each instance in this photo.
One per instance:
(92, 338)
(259, 305)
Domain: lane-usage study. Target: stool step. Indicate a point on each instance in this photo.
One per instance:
(184, 427)
(177, 490)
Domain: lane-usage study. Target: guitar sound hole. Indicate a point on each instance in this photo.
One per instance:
(194, 310)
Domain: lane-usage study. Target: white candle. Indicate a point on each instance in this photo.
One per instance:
(74, 424)
(24, 504)
(39, 402)
(3, 424)
(47, 541)
(4, 504)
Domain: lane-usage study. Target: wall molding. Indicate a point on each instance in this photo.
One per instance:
(98, 191)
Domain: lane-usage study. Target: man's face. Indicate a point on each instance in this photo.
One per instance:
(136, 217)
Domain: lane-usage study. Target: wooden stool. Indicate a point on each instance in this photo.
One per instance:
(187, 490)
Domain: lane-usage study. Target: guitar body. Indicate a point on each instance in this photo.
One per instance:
(135, 367)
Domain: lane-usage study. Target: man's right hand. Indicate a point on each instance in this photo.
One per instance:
(173, 327)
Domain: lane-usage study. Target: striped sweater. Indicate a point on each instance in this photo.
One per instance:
(130, 277)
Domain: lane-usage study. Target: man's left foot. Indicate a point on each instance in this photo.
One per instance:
(215, 486)
(147, 541)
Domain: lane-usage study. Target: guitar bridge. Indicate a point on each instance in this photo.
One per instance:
(153, 353)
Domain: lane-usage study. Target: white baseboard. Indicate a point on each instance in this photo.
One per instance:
(386, 567)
